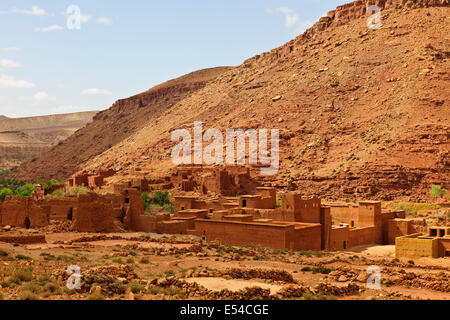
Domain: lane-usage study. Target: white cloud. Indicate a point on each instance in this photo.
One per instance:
(8, 63)
(9, 49)
(35, 11)
(292, 19)
(60, 86)
(104, 20)
(95, 91)
(8, 82)
(85, 19)
(43, 96)
(39, 97)
(54, 27)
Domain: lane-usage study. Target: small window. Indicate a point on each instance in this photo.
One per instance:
(441, 233)
(182, 208)
(433, 232)
(345, 245)
(244, 203)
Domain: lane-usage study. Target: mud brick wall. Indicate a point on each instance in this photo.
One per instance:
(173, 227)
(59, 209)
(344, 214)
(22, 212)
(339, 238)
(444, 248)
(304, 210)
(94, 213)
(362, 236)
(276, 235)
(305, 238)
(24, 239)
(413, 247)
(398, 228)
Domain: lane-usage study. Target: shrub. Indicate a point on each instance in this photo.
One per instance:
(161, 198)
(26, 190)
(144, 260)
(28, 295)
(22, 257)
(136, 287)
(411, 261)
(437, 191)
(4, 193)
(321, 269)
(145, 197)
(96, 296)
(22, 275)
(306, 269)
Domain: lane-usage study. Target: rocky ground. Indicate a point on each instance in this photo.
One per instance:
(140, 266)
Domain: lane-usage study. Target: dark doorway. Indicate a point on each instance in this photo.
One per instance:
(27, 223)
(244, 203)
(70, 214)
(345, 244)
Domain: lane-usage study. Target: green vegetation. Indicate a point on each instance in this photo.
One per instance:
(145, 200)
(161, 198)
(48, 186)
(4, 171)
(68, 191)
(437, 191)
(159, 202)
(314, 270)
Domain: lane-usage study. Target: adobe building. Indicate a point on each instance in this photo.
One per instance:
(299, 224)
(22, 212)
(434, 244)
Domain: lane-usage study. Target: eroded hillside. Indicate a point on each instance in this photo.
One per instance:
(21, 139)
(362, 113)
(113, 125)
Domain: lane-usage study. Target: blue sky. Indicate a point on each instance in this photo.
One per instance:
(125, 47)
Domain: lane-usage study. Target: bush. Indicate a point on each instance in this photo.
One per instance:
(96, 296)
(26, 190)
(145, 200)
(28, 295)
(4, 193)
(161, 198)
(322, 270)
(437, 191)
(136, 287)
(22, 275)
(68, 191)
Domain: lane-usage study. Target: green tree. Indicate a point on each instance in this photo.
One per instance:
(145, 197)
(4, 193)
(161, 198)
(437, 191)
(25, 190)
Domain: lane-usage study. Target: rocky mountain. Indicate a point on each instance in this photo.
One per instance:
(362, 113)
(112, 126)
(21, 139)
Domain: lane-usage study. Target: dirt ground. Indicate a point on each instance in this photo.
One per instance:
(152, 266)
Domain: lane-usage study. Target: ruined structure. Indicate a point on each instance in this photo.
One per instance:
(434, 244)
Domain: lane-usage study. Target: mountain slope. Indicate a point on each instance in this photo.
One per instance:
(23, 138)
(111, 126)
(364, 113)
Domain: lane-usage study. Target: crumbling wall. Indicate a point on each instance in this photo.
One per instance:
(22, 212)
(94, 213)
